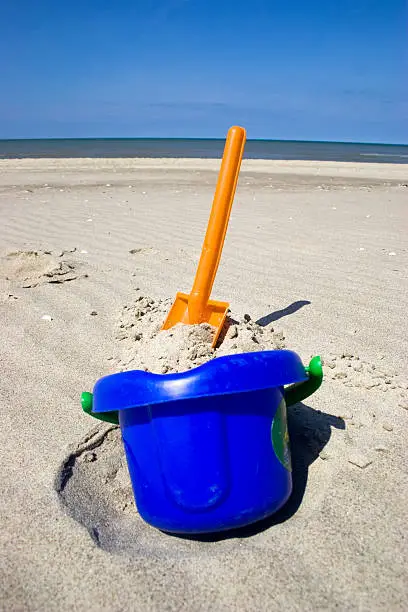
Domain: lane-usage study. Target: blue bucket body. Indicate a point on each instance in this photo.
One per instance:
(207, 464)
(208, 449)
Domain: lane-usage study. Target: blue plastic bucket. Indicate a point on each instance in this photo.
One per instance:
(208, 449)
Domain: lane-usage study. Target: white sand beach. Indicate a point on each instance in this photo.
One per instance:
(317, 251)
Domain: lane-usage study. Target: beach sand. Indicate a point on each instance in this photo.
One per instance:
(316, 251)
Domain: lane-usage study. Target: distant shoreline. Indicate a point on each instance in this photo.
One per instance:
(159, 148)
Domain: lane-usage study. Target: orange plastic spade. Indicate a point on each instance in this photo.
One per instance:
(197, 307)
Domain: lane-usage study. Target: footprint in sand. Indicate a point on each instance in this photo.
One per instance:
(33, 268)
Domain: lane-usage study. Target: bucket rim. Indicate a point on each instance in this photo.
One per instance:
(225, 375)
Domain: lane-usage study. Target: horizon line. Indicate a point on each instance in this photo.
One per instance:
(191, 138)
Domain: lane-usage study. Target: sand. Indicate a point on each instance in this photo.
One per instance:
(315, 251)
(33, 268)
(144, 346)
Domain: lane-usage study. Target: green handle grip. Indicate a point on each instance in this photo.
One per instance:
(299, 391)
(109, 417)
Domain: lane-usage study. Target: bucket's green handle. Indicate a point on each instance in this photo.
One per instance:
(109, 417)
(299, 391)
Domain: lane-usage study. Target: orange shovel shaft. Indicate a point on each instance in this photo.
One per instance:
(217, 225)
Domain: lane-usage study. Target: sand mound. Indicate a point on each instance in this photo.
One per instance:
(32, 268)
(144, 346)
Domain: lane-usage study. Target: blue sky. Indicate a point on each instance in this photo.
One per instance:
(285, 69)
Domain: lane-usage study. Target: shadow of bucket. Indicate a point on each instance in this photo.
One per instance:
(208, 449)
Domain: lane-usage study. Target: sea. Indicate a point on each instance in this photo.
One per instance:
(202, 148)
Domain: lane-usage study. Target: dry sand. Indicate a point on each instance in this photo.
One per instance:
(318, 252)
